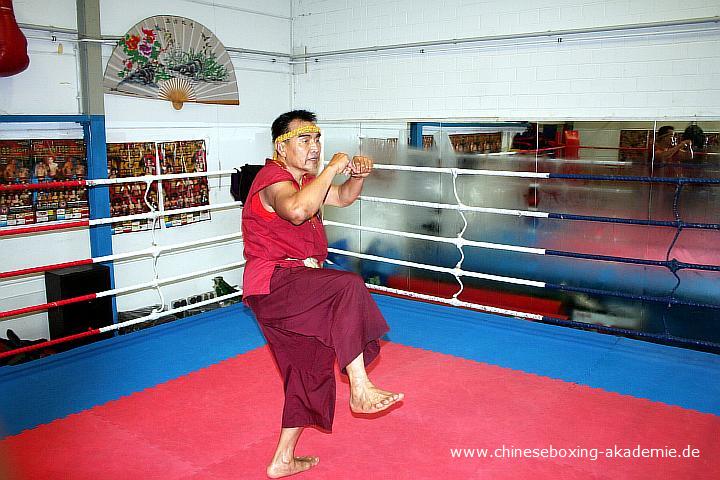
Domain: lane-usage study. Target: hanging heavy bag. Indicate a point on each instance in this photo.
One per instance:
(13, 44)
(241, 180)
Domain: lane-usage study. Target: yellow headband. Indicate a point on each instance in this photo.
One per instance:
(295, 133)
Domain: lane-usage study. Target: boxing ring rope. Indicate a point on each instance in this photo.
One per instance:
(119, 291)
(533, 316)
(110, 181)
(42, 186)
(546, 175)
(117, 326)
(673, 265)
(155, 214)
(530, 213)
(453, 240)
(459, 241)
(147, 179)
(154, 251)
(457, 272)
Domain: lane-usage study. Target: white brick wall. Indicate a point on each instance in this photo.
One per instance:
(234, 135)
(589, 76)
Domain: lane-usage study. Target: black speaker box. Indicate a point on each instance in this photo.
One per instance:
(82, 316)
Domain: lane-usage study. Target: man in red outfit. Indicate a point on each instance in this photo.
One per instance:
(309, 315)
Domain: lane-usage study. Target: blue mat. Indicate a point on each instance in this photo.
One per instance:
(46, 389)
(52, 387)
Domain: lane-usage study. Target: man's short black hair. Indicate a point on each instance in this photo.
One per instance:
(664, 130)
(281, 125)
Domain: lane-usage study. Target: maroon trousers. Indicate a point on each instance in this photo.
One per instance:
(310, 317)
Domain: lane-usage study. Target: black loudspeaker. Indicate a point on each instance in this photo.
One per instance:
(82, 316)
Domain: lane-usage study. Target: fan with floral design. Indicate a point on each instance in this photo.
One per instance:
(172, 58)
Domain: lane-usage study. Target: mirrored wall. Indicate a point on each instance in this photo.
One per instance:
(619, 219)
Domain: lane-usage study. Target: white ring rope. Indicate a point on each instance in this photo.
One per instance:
(166, 248)
(455, 302)
(447, 206)
(458, 241)
(155, 315)
(451, 271)
(151, 178)
(177, 278)
(454, 240)
(462, 171)
(158, 214)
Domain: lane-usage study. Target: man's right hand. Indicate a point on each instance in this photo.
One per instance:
(340, 162)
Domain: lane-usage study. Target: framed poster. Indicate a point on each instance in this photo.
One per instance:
(131, 160)
(634, 145)
(57, 160)
(16, 208)
(185, 156)
(477, 142)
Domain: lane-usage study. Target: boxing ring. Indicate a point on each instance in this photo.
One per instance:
(488, 393)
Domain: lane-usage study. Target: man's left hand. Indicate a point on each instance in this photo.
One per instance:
(360, 166)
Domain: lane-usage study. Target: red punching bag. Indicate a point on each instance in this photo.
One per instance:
(13, 44)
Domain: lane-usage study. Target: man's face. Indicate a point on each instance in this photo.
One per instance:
(302, 152)
(667, 139)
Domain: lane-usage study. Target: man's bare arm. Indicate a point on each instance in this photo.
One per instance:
(297, 206)
(346, 193)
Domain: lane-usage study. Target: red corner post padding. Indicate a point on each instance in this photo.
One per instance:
(572, 144)
(13, 44)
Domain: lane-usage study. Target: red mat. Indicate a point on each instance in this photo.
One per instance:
(222, 423)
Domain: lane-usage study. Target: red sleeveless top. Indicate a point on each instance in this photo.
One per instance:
(269, 241)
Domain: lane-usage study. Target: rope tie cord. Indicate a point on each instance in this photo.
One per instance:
(459, 240)
(676, 212)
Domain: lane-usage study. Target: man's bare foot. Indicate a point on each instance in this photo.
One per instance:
(370, 399)
(296, 465)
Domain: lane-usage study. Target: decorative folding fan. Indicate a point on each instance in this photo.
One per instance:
(172, 58)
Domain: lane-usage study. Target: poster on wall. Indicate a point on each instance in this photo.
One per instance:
(172, 58)
(477, 142)
(634, 145)
(59, 160)
(16, 208)
(137, 159)
(188, 156)
(131, 160)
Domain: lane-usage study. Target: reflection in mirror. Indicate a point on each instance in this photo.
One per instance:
(599, 229)
(687, 149)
